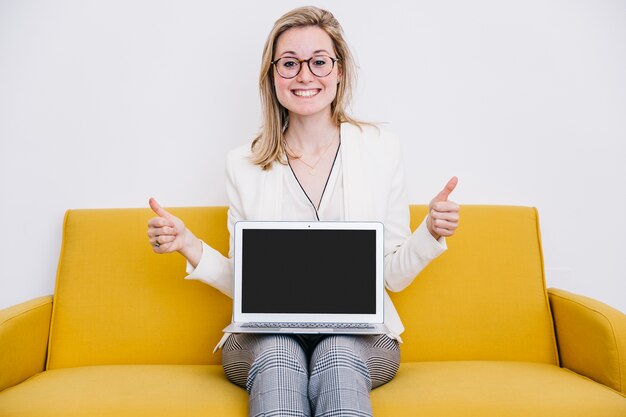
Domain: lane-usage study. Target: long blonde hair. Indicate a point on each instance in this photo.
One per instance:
(268, 146)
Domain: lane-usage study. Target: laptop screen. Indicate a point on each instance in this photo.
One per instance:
(308, 271)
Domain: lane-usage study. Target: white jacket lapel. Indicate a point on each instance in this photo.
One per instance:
(357, 204)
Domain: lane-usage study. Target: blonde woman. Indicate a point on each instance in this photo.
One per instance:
(312, 161)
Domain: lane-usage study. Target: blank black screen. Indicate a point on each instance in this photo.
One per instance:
(309, 271)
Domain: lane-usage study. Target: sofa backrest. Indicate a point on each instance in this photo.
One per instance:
(116, 302)
(485, 297)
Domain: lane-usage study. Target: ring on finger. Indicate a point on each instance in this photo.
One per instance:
(157, 244)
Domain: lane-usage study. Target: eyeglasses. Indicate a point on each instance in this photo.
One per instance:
(319, 65)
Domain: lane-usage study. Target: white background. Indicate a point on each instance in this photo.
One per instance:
(106, 103)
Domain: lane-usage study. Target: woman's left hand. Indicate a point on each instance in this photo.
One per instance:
(443, 215)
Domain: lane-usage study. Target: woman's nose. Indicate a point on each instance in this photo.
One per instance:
(305, 74)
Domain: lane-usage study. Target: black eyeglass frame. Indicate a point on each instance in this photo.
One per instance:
(308, 63)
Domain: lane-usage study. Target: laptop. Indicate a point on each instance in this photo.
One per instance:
(308, 277)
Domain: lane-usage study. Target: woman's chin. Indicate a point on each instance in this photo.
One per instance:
(308, 110)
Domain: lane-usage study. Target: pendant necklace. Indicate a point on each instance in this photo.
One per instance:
(311, 167)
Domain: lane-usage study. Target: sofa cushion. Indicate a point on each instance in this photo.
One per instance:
(494, 389)
(127, 390)
(484, 298)
(434, 389)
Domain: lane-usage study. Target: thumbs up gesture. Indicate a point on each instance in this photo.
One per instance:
(167, 233)
(443, 215)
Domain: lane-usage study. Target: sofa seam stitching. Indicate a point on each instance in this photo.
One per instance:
(595, 382)
(21, 313)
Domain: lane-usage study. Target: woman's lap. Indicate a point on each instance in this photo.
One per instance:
(379, 353)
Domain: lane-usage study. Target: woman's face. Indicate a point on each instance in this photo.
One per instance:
(306, 94)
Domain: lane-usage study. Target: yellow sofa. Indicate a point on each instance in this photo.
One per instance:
(126, 335)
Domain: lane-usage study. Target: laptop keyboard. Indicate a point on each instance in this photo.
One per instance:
(309, 325)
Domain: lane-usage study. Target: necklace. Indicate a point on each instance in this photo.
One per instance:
(311, 167)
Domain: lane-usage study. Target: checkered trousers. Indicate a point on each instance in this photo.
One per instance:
(301, 375)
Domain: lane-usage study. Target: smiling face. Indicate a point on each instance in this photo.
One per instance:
(306, 94)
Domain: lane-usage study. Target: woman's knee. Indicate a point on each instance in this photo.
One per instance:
(339, 352)
(340, 345)
(277, 354)
(376, 359)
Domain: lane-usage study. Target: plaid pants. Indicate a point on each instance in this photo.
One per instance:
(306, 375)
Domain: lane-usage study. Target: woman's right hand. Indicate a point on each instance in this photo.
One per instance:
(166, 232)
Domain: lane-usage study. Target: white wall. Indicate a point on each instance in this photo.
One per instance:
(106, 103)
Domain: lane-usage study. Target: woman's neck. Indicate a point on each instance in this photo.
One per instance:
(311, 133)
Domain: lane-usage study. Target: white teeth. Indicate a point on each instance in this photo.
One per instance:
(305, 93)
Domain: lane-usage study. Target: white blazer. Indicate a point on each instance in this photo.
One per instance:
(374, 190)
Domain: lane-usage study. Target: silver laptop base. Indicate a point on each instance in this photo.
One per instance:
(307, 328)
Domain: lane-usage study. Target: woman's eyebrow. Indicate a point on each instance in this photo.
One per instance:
(296, 54)
(288, 52)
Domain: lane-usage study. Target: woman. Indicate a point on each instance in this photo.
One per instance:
(312, 161)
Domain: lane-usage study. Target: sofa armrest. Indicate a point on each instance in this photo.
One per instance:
(591, 337)
(24, 331)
